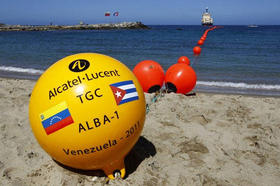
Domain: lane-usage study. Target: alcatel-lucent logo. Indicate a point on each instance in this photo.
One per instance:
(79, 65)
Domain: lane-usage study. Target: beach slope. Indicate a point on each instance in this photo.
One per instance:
(206, 139)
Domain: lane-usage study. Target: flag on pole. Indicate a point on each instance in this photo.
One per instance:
(116, 14)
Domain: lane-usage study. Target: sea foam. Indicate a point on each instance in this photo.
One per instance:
(239, 85)
(221, 84)
(19, 69)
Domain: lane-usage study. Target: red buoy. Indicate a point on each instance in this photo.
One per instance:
(203, 38)
(150, 74)
(200, 42)
(180, 78)
(184, 59)
(196, 50)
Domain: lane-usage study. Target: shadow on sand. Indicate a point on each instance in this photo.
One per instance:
(142, 149)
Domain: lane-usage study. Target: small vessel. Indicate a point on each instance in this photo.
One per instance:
(253, 26)
(206, 20)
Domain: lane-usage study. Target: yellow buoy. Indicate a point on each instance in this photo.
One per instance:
(87, 111)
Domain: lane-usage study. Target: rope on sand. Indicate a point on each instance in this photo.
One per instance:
(155, 98)
(161, 94)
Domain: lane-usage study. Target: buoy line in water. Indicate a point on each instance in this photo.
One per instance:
(179, 77)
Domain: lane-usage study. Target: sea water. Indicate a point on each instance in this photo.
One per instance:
(234, 59)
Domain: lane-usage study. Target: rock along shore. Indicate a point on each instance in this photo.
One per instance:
(106, 26)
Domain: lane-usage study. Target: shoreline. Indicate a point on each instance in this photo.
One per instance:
(105, 26)
(212, 139)
(34, 78)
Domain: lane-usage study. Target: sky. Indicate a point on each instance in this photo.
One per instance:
(149, 12)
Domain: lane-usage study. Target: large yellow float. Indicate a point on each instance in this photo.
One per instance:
(87, 111)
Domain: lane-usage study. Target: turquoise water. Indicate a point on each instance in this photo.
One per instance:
(234, 59)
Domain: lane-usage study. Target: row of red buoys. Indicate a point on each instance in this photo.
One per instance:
(179, 78)
(200, 42)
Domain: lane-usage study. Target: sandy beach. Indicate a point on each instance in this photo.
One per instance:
(205, 139)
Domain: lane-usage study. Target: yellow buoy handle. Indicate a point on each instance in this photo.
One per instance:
(113, 167)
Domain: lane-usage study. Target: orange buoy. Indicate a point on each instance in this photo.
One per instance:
(200, 42)
(180, 78)
(150, 74)
(196, 50)
(203, 38)
(184, 59)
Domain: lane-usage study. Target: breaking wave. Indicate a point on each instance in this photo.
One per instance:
(202, 83)
(23, 70)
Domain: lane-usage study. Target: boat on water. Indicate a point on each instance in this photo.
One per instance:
(206, 20)
(253, 26)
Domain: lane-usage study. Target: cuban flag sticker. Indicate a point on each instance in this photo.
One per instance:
(124, 92)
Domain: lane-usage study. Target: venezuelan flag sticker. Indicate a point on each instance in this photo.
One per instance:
(56, 118)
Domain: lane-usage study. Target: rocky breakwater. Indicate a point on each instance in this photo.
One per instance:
(106, 26)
